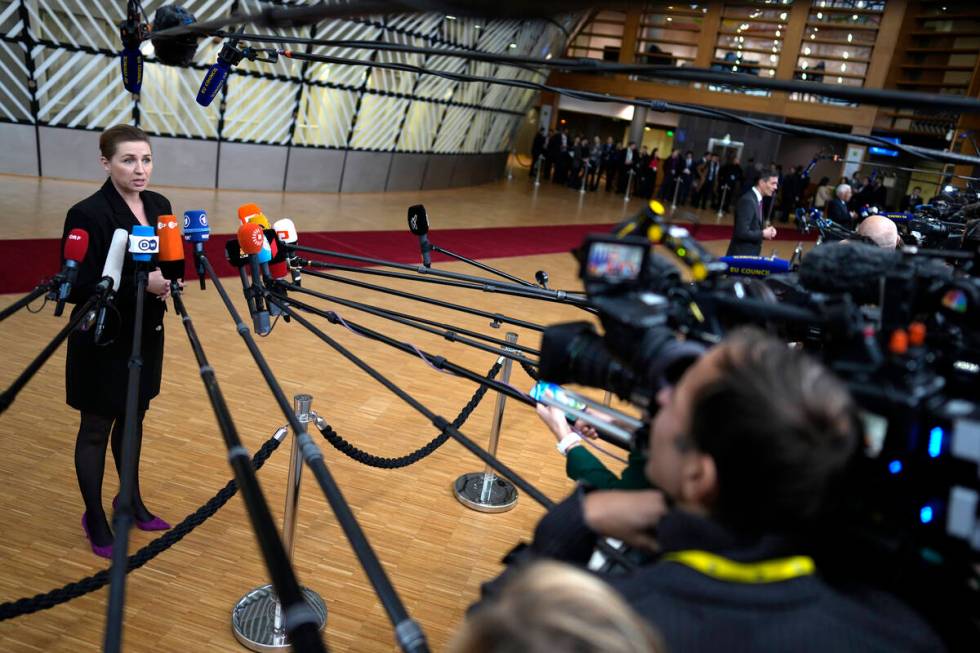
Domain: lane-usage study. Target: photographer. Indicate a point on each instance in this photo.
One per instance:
(749, 449)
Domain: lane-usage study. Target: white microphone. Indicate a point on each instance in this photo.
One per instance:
(111, 275)
(287, 233)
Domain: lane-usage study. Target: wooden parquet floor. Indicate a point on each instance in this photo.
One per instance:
(435, 550)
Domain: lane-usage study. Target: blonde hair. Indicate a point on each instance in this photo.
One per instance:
(555, 608)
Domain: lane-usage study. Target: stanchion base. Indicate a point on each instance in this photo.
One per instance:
(468, 489)
(253, 619)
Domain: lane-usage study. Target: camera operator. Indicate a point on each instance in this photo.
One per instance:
(749, 449)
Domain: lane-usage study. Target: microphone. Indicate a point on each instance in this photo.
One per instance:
(252, 241)
(756, 266)
(809, 168)
(277, 265)
(197, 231)
(286, 231)
(821, 270)
(111, 276)
(131, 33)
(217, 74)
(173, 50)
(143, 243)
(418, 224)
(76, 245)
(252, 213)
(171, 248)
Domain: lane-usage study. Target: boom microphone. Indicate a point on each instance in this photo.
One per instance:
(171, 248)
(76, 245)
(854, 268)
(197, 231)
(173, 50)
(217, 74)
(418, 224)
(111, 276)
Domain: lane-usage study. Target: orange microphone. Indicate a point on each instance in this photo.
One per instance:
(171, 247)
(252, 213)
(251, 238)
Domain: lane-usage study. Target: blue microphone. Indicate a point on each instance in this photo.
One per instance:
(131, 60)
(197, 231)
(755, 266)
(143, 243)
(217, 74)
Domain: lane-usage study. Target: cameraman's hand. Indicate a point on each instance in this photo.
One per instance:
(769, 233)
(627, 515)
(555, 419)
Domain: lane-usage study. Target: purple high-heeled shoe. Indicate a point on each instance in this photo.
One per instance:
(155, 524)
(101, 551)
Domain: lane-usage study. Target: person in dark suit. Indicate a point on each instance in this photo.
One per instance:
(537, 149)
(910, 201)
(749, 230)
(837, 208)
(96, 374)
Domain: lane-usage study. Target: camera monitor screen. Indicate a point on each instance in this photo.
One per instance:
(614, 262)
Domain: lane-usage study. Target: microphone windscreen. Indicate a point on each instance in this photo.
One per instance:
(214, 79)
(234, 254)
(143, 243)
(277, 266)
(286, 230)
(853, 268)
(260, 220)
(171, 245)
(251, 238)
(418, 221)
(248, 211)
(131, 63)
(115, 257)
(196, 228)
(76, 244)
(173, 50)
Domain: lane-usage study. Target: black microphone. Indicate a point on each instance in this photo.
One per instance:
(236, 257)
(132, 32)
(111, 276)
(822, 270)
(418, 224)
(252, 241)
(173, 50)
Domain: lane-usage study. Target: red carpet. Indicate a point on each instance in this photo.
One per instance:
(27, 262)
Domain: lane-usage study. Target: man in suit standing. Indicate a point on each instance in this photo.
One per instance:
(749, 230)
(911, 201)
(837, 210)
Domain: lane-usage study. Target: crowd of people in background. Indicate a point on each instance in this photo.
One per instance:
(683, 178)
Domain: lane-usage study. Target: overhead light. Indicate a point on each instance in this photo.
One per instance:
(806, 51)
(850, 37)
(783, 16)
(734, 69)
(819, 15)
(772, 73)
(646, 129)
(778, 33)
(512, 45)
(477, 27)
(804, 65)
(547, 56)
(773, 58)
(669, 19)
(803, 76)
(843, 67)
(448, 17)
(854, 17)
(840, 80)
(845, 54)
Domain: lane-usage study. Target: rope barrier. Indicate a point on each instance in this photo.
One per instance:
(361, 456)
(38, 602)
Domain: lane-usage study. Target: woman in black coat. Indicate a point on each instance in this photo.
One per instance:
(96, 374)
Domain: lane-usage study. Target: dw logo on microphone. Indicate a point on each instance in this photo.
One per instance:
(144, 244)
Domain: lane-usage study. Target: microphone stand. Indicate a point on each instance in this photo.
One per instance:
(122, 520)
(496, 319)
(42, 288)
(8, 396)
(483, 266)
(449, 332)
(489, 285)
(407, 632)
(302, 627)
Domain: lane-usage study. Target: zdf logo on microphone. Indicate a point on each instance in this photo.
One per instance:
(167, 225)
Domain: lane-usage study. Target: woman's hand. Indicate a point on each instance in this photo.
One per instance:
(157, 285)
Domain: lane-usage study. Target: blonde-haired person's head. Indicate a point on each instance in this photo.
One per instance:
(555, 608)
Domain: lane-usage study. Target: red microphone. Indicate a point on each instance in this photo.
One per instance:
(277, 266)
(76, 245)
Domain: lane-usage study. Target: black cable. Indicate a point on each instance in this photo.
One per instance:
(496, 318)
(303, 625)
(390, 315)
(407, 632)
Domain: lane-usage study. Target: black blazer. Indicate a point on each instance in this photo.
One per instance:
(747, 236)
(96, 376)
(838, 212)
